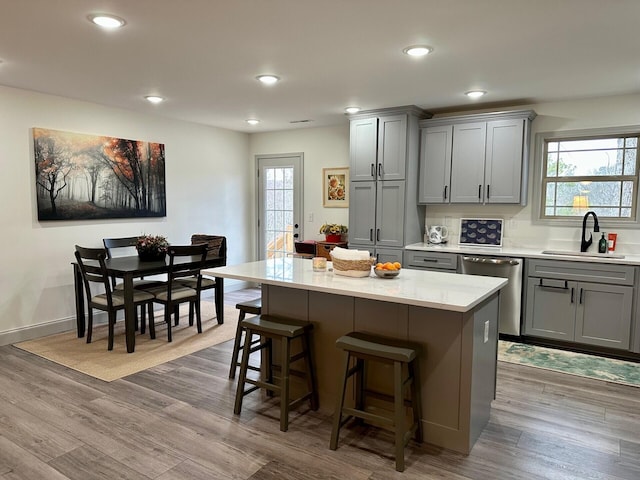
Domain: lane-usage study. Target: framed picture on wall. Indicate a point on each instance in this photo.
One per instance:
(335, 187)
(91, 177)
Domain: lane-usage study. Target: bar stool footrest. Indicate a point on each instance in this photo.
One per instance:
(368, 416)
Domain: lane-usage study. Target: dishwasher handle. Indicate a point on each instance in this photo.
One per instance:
(492, 261)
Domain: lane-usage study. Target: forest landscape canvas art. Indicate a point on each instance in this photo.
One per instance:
(81, 176)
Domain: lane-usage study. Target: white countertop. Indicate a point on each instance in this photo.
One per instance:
(444, 291)
(629, 259)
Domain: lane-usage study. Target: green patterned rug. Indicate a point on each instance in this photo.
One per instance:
(600, 368)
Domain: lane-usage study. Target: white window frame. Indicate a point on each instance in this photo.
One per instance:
(539, 175)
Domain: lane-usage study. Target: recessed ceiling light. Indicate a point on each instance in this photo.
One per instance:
(268, 79)
(154, 99)
(417, 50)
(352, 109)
(253, 121)
(107, 21)
(475, 93)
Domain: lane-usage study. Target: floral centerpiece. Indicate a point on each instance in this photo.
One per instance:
(333, 231)
(152, 247)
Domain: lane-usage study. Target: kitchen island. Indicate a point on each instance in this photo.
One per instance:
(454, 318)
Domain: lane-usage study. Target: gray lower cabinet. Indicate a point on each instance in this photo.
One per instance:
(436, 261)
(388, 255)
(582, 303)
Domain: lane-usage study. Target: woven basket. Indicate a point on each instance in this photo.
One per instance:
(352, 265)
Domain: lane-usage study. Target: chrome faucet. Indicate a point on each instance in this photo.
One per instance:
(584, 243)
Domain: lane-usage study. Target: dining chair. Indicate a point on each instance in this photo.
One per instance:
(111, 300)
(125, 246)
(172, 292)
(216, 247)
(122, 247)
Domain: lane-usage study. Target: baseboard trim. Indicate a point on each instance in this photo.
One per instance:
(65, 324)
(36, 331)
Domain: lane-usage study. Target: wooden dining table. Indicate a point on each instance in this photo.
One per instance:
(131, 267)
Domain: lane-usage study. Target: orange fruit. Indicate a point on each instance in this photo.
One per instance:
(398, 265)
(389, 266)
(378, 266)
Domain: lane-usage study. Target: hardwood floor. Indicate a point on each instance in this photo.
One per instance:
(176, 421)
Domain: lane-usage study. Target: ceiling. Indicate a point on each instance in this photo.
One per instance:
(203, 55)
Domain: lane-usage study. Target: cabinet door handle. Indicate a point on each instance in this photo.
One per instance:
(371, 234)
(379, 170)
(445, 191)
(571, 294)
(566, 286)
(377, 234)
(581, 290)
(479, 192)
(430, 260)
(488, 186)
(373, 172)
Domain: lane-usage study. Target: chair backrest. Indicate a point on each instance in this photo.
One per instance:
(92, 273)
(120, 247)
(177, 269)
(216, 245)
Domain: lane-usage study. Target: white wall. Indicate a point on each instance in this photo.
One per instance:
(208, 187)
(520, 231)
(329, 147)
(323, 148)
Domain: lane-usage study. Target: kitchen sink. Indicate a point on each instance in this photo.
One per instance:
(570, 253)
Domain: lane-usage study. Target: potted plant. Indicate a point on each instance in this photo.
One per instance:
(333, 232)
(151, 247)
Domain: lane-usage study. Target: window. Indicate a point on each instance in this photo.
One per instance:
(595, 172)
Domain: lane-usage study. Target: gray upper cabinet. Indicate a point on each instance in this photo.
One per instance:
(363, 145)
(503, 161)
(378, 148)
(479, 158)
(467, 163)
(383, 208)
(392, 149)
(435, 167)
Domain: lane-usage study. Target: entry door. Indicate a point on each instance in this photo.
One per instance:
(279, 204)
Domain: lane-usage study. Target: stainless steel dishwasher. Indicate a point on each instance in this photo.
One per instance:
(511, 295)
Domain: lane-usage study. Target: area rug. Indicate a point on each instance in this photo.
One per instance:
(95, 360)
(608, 369)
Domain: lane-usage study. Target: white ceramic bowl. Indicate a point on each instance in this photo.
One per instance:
(386, 273)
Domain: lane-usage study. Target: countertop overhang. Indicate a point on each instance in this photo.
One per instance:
(443, 291)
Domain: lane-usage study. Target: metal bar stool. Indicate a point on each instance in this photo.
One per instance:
(285, 330)
(364, 347)
(251, 306)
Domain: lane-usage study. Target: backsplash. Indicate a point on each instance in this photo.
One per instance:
(520, 232)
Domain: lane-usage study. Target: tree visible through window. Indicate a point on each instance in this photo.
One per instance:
(594, 173)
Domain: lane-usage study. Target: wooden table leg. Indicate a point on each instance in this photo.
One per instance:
(219, 293)
(79, 289)
(129, 314)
